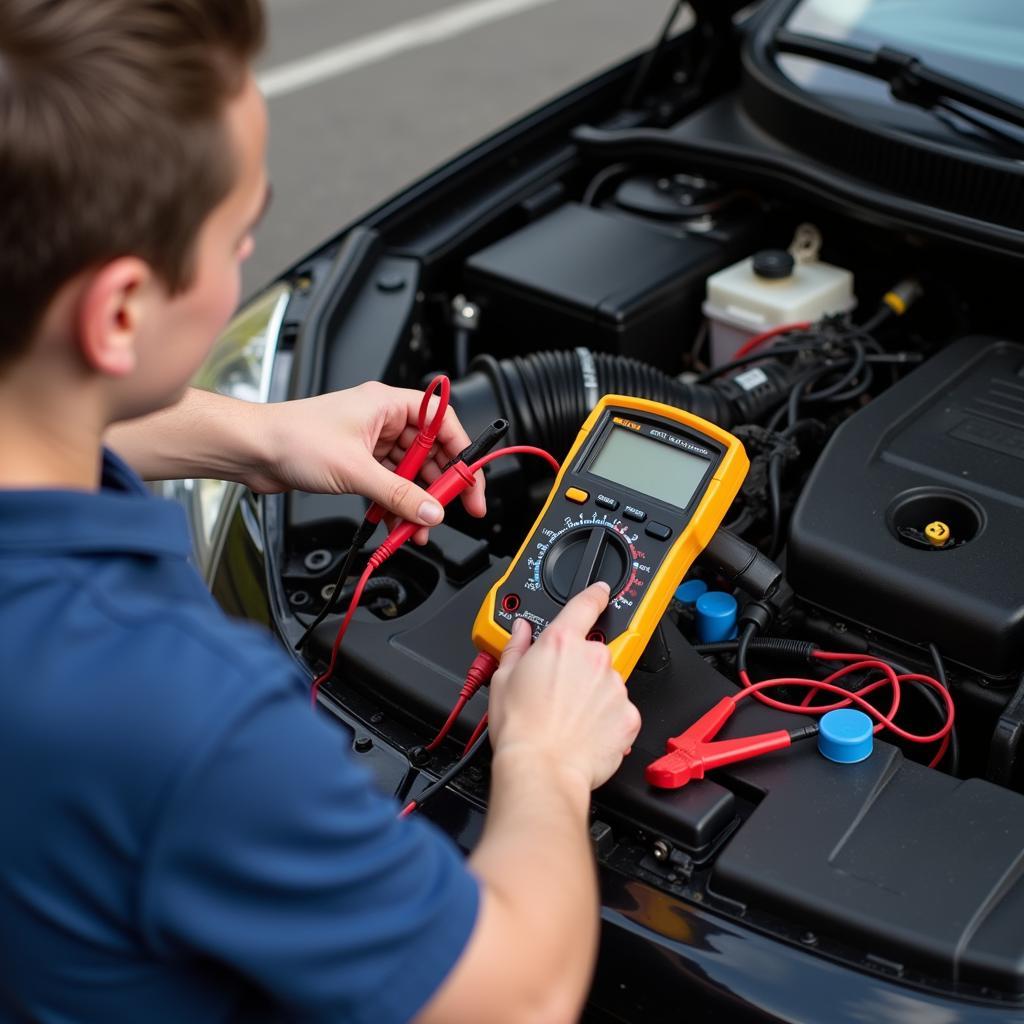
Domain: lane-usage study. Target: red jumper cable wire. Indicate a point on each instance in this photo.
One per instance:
(693, 752)
(759, 339)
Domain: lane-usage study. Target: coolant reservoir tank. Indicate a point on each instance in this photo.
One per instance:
(770, 289)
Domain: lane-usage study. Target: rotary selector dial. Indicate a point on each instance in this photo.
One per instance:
(582, 557)
(583, 551)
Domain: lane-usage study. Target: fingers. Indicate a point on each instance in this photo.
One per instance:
(473, 498)
(633, 723)
(580, 613)
(420, 537)
(452, 438)
(402, 497)
(518, 644)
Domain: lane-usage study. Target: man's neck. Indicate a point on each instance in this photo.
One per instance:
(47, 442)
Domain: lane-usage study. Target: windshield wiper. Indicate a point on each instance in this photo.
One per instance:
(910, 80)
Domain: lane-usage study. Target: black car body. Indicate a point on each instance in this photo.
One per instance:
(785, 888)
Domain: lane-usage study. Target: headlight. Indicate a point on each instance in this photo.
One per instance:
(239, 366)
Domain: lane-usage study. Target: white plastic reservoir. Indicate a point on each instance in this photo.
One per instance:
(768, 290)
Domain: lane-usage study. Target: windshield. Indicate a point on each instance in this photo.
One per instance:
(977, 41)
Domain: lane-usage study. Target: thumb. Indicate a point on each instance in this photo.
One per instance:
(518, 644)
(399, 496)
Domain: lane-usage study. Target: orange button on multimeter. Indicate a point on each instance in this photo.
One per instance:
(682, 471)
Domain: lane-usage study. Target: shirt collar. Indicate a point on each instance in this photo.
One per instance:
(123, 517)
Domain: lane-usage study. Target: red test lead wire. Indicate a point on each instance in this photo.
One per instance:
(692, 752)
(450, 484)
(479, 674)
(357, 594)
(477, 733)
(516, 449)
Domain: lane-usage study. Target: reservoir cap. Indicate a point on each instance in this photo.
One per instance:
(688, 593)
(716, 617)
(773, 264)
(845, 736)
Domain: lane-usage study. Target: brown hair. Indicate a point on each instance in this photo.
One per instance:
(112, 140)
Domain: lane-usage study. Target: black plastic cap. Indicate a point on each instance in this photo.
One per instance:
(773, 264)
(418, 756)
(757, 613)
(480, 446)
(741, 563)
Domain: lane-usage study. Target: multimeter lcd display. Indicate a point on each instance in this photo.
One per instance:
(650, 467)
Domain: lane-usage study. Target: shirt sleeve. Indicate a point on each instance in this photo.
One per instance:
(276, 857)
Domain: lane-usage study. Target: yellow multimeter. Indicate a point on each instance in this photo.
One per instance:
(638, 497)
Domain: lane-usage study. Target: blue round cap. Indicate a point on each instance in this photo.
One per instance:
(716, 616)
(845, 736)
(687, 593)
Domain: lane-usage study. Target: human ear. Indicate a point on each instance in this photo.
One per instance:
(110, 315)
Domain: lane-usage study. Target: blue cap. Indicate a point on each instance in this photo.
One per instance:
(688, 592)
(716, 617)
(845, 736)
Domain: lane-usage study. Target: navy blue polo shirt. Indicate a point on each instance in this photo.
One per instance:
(181, 838)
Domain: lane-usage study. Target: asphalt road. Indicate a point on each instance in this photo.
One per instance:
(365, 96)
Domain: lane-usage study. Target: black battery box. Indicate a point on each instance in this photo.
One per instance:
(604, 279)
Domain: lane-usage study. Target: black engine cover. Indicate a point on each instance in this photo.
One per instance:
(945, 445)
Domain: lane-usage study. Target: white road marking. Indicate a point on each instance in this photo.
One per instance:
(377, 46)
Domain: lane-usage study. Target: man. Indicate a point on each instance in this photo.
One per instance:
(184, 840)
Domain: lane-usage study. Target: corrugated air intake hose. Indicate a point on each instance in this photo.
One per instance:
(546, 396)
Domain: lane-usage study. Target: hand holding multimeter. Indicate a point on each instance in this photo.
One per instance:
(639, 495)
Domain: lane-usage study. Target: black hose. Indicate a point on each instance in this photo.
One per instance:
(931, 698)
(746, 636)
(547, 395)
(763, 645)
(954, 742)
(775, 502)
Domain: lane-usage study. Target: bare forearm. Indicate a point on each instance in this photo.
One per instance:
(536, 863)
(204, 435)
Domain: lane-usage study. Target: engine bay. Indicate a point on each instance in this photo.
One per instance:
(876, 383)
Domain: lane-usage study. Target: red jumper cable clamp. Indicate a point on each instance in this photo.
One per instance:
(692, 753)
